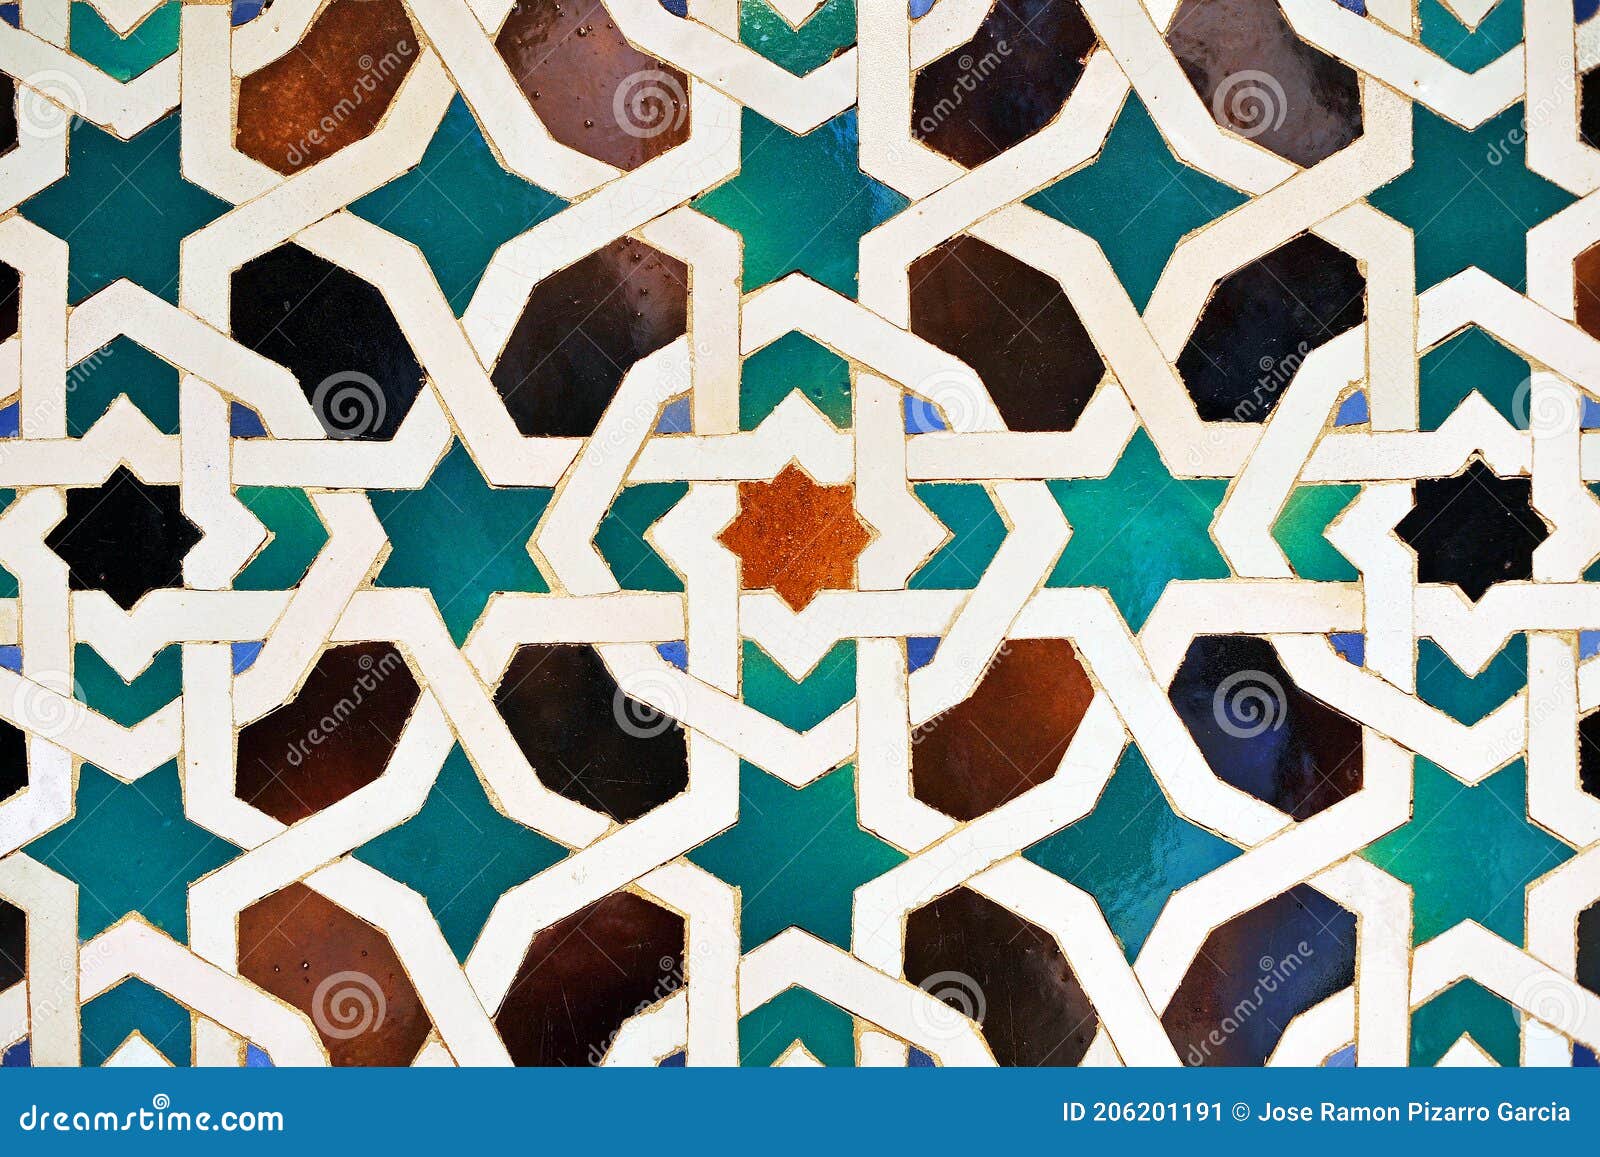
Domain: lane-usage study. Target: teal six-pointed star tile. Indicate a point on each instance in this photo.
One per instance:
(1469, 852)
(488, 529)
(460, 853)
(1137, 200)
(1470, 49)
(801, 203)
(797, 855)
(458, 205)
(1137, 530)
(123, 209)
(130, 848)
(1469, 198)
(1132, 852)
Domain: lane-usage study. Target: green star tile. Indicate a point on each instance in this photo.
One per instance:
(1469, 363)
(461, 538)
(795, 1014)
(826, 32)
(126, 702)
(797, 856)
(621, 538)
(1468, 698)
(801, 202)
(458, 205)
(150, 41)
(297, 536)
(1131, 852)
(8, 581)
(123, 208)
(1137, 200)
(794, 362)
(1301, 531)
(1469, 49)
(976, 532)
(130, 848)
(130, 1006)
(1137, 530)
(460, 853)
(1469, 853)
(122, 368)
(1470, 198)
(1465, 1007)
(801, 703)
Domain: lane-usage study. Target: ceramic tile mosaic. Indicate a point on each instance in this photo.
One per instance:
(1023, 532)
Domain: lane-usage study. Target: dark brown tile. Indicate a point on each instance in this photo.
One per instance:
(1006, 83)
(585, 975)
(335, 736)
(1262, 81)
(1011, 976)
(337, 969)
(1258, 972)
(585, 739)
(331, 89)
(593, 90)
(583, 329)
(1012, 324)
(1008, 736)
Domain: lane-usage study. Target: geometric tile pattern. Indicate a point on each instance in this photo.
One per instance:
(781, 532)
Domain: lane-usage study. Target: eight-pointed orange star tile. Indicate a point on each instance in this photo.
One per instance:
(796, 536)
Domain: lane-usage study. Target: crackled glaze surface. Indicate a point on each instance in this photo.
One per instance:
(962, 532)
